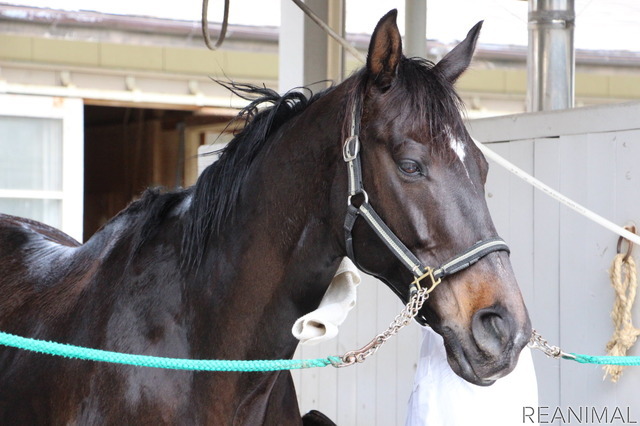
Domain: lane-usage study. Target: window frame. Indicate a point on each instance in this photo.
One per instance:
(71, 113)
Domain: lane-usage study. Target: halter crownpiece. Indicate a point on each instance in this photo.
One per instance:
(351, 156)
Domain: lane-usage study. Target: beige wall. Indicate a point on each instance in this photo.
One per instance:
(481, 80)
(252, 65)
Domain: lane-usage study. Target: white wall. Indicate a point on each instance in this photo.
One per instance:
(562, 259)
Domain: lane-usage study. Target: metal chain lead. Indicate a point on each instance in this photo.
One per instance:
(408, 314)
(401, 320)
(540, 343)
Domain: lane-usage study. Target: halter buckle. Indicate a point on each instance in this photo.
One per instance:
(350, 148)
(415, 284)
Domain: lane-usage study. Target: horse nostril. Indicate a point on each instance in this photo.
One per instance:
(494, 324)
(490, 331)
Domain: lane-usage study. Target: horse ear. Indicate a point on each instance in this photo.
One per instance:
(385, 51)
(456, 62)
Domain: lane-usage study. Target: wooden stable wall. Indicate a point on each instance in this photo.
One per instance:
(123, 159)
(561, 261)
(130, 149)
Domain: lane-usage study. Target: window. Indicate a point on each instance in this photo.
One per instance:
(41, 160)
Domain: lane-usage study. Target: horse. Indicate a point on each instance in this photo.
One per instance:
(221, 270)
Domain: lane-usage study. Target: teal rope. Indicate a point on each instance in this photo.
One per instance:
(78, 352)
(605, 360)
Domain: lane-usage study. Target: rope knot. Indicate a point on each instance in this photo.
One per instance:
(625, 283)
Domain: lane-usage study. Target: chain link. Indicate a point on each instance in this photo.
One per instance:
(540, 343)
(407, 314)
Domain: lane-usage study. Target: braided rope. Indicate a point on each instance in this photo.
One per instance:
(625, 282)
(71, 351)
(606, 360)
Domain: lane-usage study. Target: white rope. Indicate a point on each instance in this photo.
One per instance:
(556, 195)
(337, 37)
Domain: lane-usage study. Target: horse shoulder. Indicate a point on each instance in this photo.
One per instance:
(33, 259)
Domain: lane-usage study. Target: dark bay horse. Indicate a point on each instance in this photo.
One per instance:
(223, 269)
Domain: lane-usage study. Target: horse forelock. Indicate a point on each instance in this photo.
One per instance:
(420, 96)
(435, 109)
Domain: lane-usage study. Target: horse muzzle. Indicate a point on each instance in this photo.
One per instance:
(489, 349)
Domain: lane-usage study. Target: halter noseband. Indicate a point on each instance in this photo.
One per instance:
(351, 155)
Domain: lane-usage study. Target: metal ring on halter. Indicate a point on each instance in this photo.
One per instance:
(363, 192)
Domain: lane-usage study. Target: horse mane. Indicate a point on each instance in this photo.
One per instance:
(216, 192)
(418, 91)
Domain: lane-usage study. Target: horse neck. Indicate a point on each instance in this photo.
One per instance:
(275, 260)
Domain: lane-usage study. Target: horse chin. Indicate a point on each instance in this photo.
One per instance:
(462, 367)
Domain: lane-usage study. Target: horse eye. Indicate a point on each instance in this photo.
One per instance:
(409, 167)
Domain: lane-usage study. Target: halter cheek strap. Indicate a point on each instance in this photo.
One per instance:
(351, 156)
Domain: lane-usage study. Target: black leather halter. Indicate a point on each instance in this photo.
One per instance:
(351, 155)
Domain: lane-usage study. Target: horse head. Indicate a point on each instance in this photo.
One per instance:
(425, 177)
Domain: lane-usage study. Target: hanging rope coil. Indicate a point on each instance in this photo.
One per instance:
(205, 25)
(624, 281)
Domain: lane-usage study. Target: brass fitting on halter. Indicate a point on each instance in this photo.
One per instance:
(415, 284)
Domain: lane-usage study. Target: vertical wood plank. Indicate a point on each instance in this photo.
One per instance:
(386, 370)
(587, 176)
(347, 386)
(366, 372)
(510, 202)
(544, 306)
(327, 380)
(627, 209)
(408, 345)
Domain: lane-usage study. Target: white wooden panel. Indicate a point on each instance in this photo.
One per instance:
(386, 367)
(510, 202)
(544, 304)
(627, 196)
(587, 297)
(366, 372)
(583, 266)
(347, 377)
(594, 119)
(409, 341)
(590, 155)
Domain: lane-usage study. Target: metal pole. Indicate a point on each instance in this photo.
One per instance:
(415, 19)
(551, 59)
(302, 47)
(335, 51)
